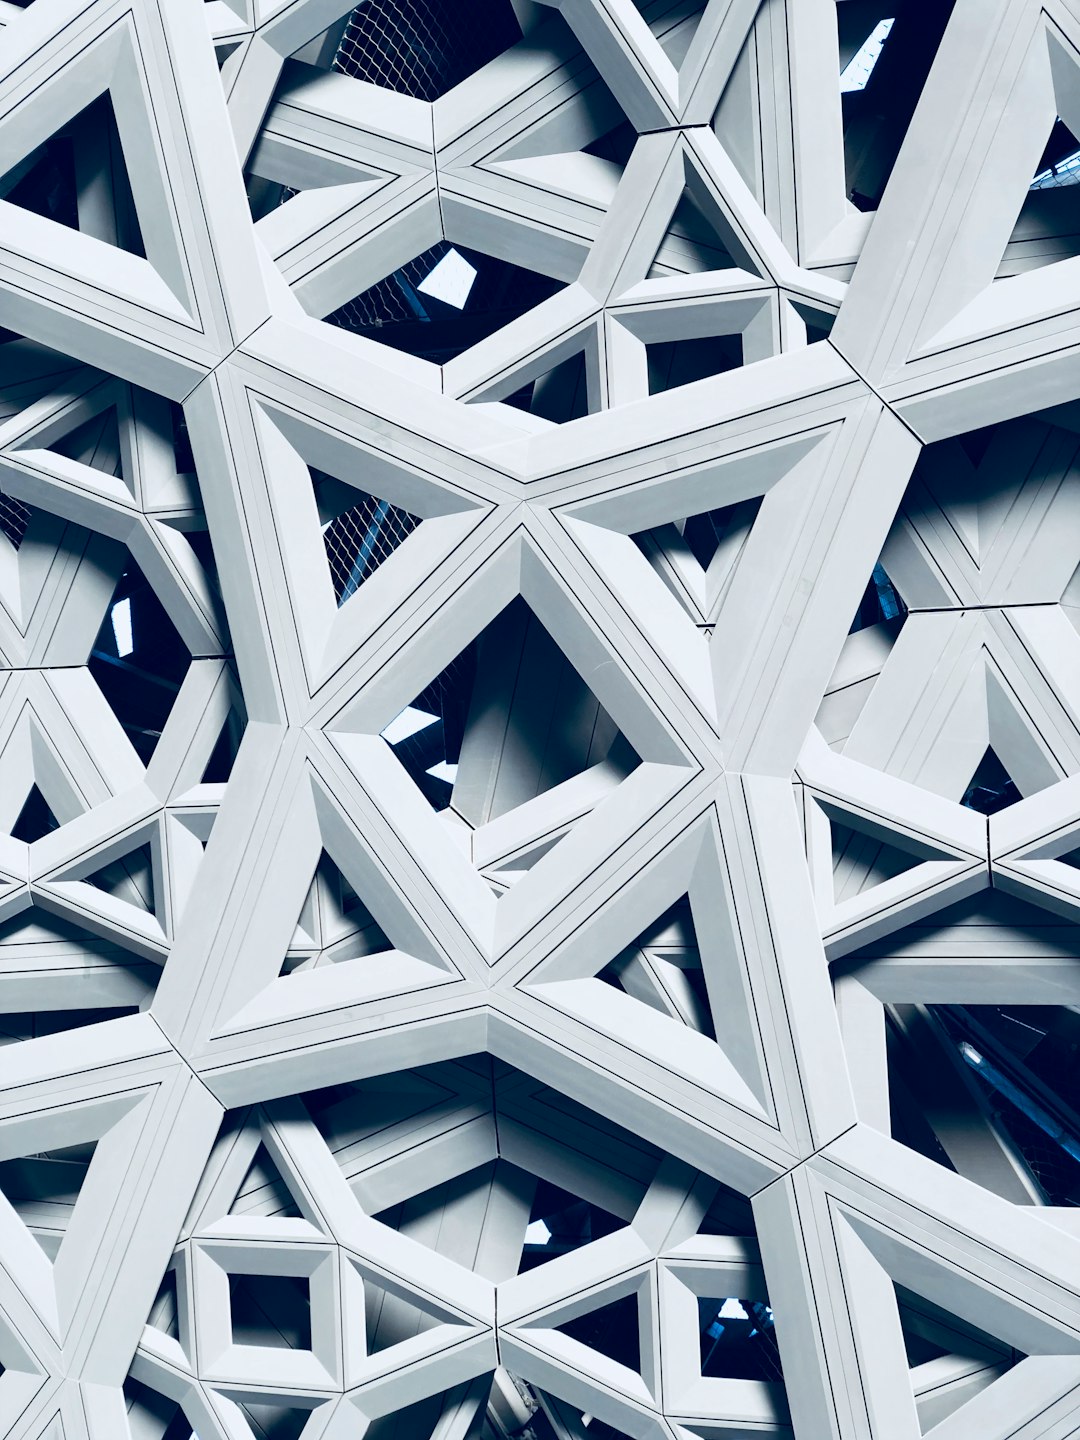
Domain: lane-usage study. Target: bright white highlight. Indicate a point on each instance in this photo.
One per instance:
(121, 624)
(860, 67)
(444, 771)
(409, 722)
(537, 1233)
(733, 1310)
(451, 281)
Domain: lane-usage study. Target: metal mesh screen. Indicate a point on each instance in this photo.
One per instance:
(423, 48)
(14, 518)
(392, 300)
(360, 539)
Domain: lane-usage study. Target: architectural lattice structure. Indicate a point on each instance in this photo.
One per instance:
(539, 719)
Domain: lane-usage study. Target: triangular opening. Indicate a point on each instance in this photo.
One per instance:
(663, 970)
(819, 323)
(359, 531)
(139, 661)
(950, 1361)
(861, 861)
(165, 1311)
(559, 395)
(559, 1223)
(131, 878)
(611, 1329)
(264, 1192)
(96, 443)
(443, 302)
(511, 693)
(43, 1188)
(35, 818)
(881, 602)
(391, 1319)
(275, 1422)
(737, 1340)
(697, 557)
(334, 924)
(696, 241)
(271, 1311)
(151, 1413)
(673, 363)
(78, 179)
(991, 788)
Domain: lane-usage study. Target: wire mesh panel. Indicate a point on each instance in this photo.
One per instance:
(359, 540)
(423, 48)
(14, 518)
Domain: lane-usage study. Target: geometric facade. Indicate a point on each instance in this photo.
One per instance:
(539, 719)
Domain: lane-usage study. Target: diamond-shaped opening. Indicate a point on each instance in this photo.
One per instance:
(737, 1339)
(663, 970)
(513, 693)
(611, 1329)
(43, 1188)
(883, 70)
(334, 924)
(413, 311)
(697, 557)
(672, 363)
(264, 1192)
(359, 531)
(153, 1416)
(991, 788)
(139, 660)
(78, 179)
(270, 1310)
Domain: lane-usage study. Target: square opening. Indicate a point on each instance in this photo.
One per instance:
(271, 1310)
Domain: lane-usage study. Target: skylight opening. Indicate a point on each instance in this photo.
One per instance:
(450, 281)
(856, 73)
(121, 624)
